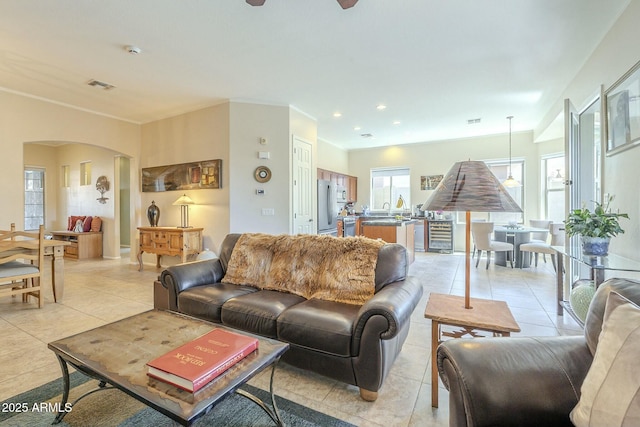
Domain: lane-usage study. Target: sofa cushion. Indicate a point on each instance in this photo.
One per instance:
(257, 312)
(205, 302)
(324, 326)
(610, 393)
(311, 266)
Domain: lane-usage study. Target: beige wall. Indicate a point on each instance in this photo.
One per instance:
(24, 120)
(333, 158)
(191, 137)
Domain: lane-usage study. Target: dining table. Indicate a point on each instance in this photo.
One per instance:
(516, 235)
(55, 250)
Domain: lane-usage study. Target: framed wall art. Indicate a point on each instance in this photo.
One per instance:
(622, 103)
(430, 182)
(184, 176)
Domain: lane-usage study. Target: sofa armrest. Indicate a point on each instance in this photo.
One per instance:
(181, 277)
(521, 381)
(395, 302)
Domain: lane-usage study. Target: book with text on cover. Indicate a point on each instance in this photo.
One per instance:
(196, 363)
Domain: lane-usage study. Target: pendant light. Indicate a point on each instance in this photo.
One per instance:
(510, 181)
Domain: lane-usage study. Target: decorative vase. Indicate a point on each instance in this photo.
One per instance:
(595, 245)
(153, 214)
(580, 297)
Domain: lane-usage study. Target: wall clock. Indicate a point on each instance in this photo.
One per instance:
(262, 174)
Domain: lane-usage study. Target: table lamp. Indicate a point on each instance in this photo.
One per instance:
(184, 201)
(470, 186)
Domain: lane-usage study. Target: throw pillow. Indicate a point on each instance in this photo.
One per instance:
(73, 220)
(86, 224)
(611, 390)
(78, 227)
(96, 223)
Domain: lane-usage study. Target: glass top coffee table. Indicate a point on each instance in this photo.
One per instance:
(116, 354)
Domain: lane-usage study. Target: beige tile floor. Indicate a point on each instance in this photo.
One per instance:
(101, 291)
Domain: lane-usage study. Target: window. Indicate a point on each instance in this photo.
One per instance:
(553, 171)
(387, 185)
(501, 171)
(33, 198)
(85, 173)
(65, 176)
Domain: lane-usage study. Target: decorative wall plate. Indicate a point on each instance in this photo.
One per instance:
(262, 174)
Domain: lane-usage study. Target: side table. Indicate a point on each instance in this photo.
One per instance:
(485, 315)
(172, 241)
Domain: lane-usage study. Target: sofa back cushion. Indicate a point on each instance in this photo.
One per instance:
(311, 266)
(630, 289)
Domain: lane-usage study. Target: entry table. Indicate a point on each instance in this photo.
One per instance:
(173, 241)
(484, 315)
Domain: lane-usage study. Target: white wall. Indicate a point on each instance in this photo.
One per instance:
(615, 55)
(248, 123)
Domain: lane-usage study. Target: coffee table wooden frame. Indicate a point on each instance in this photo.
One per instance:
(142, 337)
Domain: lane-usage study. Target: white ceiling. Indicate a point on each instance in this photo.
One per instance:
(434, 63)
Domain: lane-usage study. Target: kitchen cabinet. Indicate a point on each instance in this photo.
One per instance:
(172, 241)
(401, 232)
(352, 189)
(349, 183)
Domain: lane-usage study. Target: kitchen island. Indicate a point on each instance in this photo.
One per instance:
(391, 231)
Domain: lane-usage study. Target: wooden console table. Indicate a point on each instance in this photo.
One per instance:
(485, 315)
(173, 241)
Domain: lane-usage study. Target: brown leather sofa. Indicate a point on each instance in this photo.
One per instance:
(350, 343)
(523, 381)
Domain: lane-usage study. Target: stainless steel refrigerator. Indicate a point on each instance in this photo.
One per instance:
(327, 207)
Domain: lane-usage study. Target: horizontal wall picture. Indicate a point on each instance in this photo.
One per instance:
(430, 182)
(184, 176)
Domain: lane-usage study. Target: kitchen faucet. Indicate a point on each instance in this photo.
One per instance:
(387, 203)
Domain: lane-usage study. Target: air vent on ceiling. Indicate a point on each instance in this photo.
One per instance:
(100, 85)
(366, 135)
(473, 121)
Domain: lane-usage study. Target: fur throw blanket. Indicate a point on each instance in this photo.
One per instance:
(311, 266)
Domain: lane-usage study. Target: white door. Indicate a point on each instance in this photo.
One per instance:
(302, 187)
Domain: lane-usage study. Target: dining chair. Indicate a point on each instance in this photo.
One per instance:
(482, 232)
(21, 259)
(540, 236)
(473, 254)
(536, 248)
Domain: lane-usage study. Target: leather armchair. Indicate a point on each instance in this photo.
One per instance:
(523, 381)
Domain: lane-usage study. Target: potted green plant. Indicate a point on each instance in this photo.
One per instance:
(595, 228)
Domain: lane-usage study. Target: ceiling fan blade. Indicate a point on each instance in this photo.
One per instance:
(257, 2)
(346, 4)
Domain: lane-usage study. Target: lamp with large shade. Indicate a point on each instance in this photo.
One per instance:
(184, 201)
(471, 187)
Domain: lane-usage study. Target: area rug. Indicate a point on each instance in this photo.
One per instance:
(113, 408)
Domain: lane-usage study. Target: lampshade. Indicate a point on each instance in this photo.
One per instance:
(183, 200)
(470, 186)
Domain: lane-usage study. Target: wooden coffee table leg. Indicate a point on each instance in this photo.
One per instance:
(435, 326)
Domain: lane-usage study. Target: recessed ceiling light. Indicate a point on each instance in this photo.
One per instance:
(357, 128)
(381, 107)
(397, 122)
(337, 114)
(100, 85)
